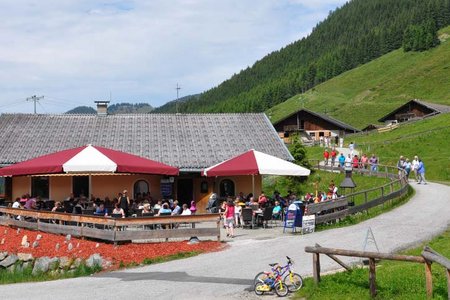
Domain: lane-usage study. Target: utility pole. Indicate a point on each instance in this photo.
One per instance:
(35, 99)
(178, 88)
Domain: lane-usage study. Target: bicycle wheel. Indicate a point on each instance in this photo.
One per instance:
(260, 277)
(293, 281)
(259, 288)
(281, 289)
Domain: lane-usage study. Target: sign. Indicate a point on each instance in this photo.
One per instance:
(309, 224)
(166, 189)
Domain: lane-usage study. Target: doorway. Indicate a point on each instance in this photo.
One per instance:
(185, 191)
(80, 186)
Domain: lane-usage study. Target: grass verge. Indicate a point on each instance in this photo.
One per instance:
(395, 280)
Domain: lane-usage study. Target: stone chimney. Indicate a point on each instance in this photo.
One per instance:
(102, 108)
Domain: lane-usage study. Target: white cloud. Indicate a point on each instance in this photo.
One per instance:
(80, 51)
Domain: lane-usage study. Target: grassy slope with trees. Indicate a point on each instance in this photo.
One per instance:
(363, 95)
(356, 33)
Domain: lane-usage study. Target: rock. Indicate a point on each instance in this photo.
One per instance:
(24, 240)
(9, 260)
(106, 264)
(193, 240)
(38, 237)
(27, 245)
(2, 242)
(53, 264)
(57, 246)
(97, 245)
(12, 268)
(94, 260)
(25, 256)
(64, 262)
(18, 230)
(6, 231)
(78, 245)
(70, 247)
(68, 237)
(35, 244)
(41, 265)
(26, 265)
(3, 255)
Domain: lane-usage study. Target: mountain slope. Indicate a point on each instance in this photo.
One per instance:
(363, 95)
(354, 34)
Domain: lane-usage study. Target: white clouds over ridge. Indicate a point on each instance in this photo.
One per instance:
(80, 51)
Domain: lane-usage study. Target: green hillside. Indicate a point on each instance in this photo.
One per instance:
(363, 95)
(352, 35)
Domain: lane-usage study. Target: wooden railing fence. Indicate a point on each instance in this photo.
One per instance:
(112, 229)
(340, 208)
(428, 256)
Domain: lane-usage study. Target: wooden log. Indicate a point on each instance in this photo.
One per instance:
(347, 267)
(431, 255)
(372, 278)
(428, 279)
(316, 267)
(378, 255)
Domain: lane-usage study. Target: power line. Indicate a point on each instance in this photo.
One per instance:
(35, 99)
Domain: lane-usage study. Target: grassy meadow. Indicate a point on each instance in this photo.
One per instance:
(395, 280)
(363, 95)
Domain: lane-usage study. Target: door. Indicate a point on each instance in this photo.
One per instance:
(80, 186)
(185, 191)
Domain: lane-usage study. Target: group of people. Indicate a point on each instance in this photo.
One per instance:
(352, 160)
(417, 166)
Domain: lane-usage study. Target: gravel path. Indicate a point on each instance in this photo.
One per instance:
(228, 274)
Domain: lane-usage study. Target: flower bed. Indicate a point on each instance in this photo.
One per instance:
(59, 246)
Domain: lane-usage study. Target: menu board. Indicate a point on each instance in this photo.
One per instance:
(166, 189)
(309, 224)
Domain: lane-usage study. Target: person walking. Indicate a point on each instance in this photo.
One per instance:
(401, 166)
(373, 161)
(341, 160)
(124, 202)
(421, 172)
(415, 166)
(229, 218)
(333, 157)
(326, 156)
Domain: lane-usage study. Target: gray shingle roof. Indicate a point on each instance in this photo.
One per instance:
(438, 108)
(187, 141)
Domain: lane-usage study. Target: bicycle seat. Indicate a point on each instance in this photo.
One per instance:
(273, 265)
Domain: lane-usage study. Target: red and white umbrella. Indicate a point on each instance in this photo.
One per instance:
(88, 159)
(254, 162)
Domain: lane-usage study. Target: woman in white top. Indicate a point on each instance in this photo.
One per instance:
(186, 211)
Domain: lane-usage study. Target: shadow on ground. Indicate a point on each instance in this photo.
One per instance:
(176, 277)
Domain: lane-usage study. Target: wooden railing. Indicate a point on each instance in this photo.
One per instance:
(428, 256)
(340, 208)
(112, 229)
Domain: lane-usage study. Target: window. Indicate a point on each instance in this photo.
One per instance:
(140, 187)
(80, 186)
(204, 187)
(39, 187)
(226, 188)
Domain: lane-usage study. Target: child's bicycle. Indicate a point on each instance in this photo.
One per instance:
(292, 280)
(274, 281)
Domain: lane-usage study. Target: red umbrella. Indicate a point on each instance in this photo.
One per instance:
(88, 159)
(253, 163)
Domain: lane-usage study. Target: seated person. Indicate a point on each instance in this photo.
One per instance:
(118, 210)
(16, 203)
(101, 210)
(146, 209)
(186, 211)
(164, 209)
(276, 210)
(158, 205)
(176, 208)
(57, 207)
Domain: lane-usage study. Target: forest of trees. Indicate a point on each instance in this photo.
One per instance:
(119, 108)
(354, 34)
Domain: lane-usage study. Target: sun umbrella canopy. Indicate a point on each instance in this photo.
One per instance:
(88, 159)
(253, 163)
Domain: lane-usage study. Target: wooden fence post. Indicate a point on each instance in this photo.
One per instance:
(428, 279)
(316, 268)
(448, 283)
(372, 278)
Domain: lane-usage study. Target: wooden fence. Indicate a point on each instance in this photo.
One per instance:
(428, 256)
(338, 209)
(112, 229)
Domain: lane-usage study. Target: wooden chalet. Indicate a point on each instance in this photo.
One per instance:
(312, 124)
(415, 109)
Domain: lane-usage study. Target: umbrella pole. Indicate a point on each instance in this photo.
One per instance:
(90, 187)
(253, 184)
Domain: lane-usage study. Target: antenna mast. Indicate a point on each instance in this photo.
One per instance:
(178, 88)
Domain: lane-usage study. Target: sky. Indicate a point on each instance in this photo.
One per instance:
(75, 52)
